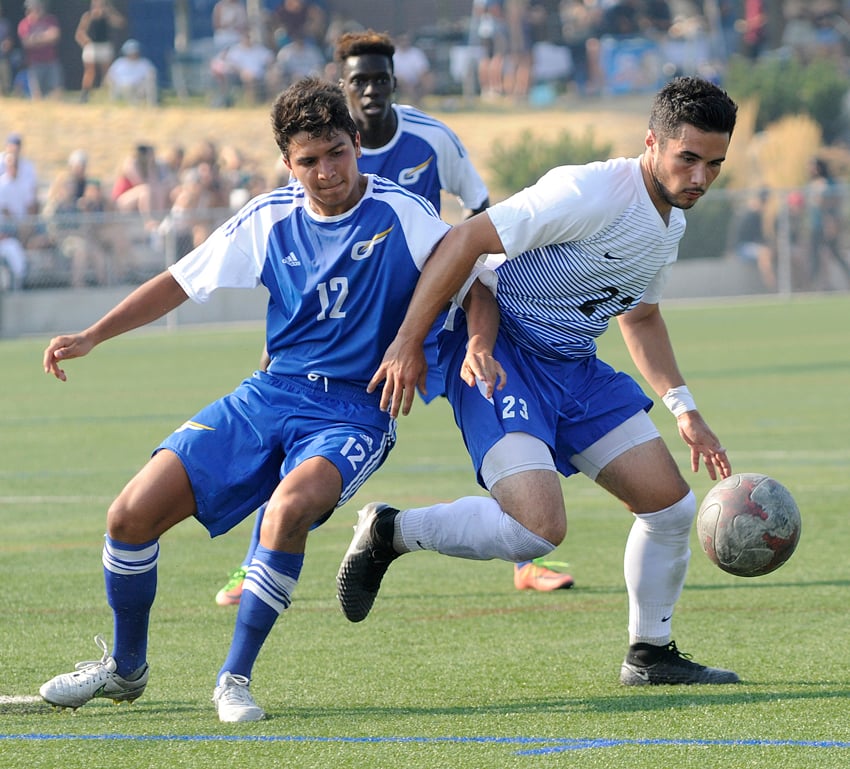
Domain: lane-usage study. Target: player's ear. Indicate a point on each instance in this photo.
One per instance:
(651, 140)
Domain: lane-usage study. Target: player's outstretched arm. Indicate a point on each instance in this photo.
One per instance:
(648, 342)
(147, 303)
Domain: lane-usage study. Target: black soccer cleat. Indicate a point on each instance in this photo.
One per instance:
(647, 665)
(366, 561)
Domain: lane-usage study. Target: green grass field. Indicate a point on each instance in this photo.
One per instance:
(454, 668)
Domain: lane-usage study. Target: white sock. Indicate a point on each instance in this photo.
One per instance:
(469, 527)
(655, 566)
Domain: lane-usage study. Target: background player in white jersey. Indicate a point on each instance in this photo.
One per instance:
(583, 245)
(423, 155)
(307, 433)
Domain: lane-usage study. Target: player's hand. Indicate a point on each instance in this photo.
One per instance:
(402, 370)
(481, 369)
(64, 348)
(704, 444)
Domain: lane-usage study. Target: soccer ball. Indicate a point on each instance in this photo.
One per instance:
(748, 524)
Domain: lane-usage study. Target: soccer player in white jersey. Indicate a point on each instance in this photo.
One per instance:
(583, 245)
(339, 253)
(423, 155)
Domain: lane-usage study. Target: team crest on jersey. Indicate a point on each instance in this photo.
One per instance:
(291, 260)
(364, 248)
(190, 425)
(410, 176)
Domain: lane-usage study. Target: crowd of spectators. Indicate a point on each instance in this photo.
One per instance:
(169, 193)
(159, 203)
(588, 46)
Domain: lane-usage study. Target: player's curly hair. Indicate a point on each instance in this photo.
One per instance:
(312, 105)
(692, 101)
(363, 44)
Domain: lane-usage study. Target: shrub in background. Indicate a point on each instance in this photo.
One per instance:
(518, 164)
(787, 87)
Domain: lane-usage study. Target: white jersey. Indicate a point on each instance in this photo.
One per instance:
(339, 286)
(582, 245)
(425, 156)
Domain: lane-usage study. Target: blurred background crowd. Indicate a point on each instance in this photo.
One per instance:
(77, 230)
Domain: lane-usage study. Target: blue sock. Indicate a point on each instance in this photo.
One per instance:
(129, 573)
(255, 537)
(266, 593)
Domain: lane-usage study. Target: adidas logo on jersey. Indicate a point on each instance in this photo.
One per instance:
(290, 260)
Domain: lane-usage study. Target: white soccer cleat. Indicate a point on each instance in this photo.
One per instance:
(93, 679)
(233, 700)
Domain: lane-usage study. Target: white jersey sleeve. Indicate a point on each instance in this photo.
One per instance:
(569, 203)
(231, 257)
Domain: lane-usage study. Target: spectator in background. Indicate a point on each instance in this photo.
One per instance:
(93, 35)
(414, 78)
(39, 33)
(246, 65)
(132, 77)
(754, 34)
(300, 57)
(825, 209)
(489, 30)
(62, 219)
(139, 187)
(579, 31)
(752, 243)
(26, 179)
(7, 50)
(298, 18)
(230, 22)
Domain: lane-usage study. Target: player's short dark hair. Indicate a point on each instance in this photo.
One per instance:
(364, 44)
(692, 101)
(312, 105)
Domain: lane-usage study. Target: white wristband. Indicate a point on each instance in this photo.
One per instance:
(679, 400)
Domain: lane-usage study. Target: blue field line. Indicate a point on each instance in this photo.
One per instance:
(545, 744)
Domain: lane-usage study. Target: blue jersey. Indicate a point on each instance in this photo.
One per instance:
(425, 156)
(338, 286)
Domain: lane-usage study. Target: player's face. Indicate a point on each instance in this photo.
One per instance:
(680, 169)
(368, 83)
(327, 167)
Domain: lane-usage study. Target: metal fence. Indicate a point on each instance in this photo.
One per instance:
(79, 250)
(791, 239)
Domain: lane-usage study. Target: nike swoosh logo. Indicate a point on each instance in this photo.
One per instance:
(666, 619)
(607, 255)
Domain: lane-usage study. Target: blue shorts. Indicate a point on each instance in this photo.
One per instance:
(237, 449)
(434, 380)
(567, 404)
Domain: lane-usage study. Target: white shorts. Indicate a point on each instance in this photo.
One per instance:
(98, 53)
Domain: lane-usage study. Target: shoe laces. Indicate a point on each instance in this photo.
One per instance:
(101, 642)
(234, 690)
(672, 649)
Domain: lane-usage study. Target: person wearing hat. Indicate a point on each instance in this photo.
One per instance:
(26, 179)
(132, 77)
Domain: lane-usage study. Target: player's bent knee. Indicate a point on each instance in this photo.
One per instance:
(520, 544)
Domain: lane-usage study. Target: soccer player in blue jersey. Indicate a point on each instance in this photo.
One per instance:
(582, 246)
(339, 253)
(423, 155)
